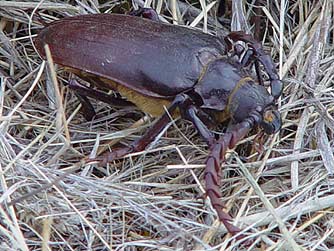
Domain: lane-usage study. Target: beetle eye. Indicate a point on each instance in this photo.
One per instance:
(271, 121)
(268, 116)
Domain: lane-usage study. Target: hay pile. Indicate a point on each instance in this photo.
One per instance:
(52, 200)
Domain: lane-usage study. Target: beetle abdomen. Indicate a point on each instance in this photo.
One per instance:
(154, 59)
(151, 105)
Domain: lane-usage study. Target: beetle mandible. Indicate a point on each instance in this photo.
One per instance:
(156, 65)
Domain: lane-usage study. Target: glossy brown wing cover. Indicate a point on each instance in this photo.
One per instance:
(152, 58)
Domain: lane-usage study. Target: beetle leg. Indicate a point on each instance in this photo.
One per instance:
(275, 83)
(216, 158)
(238, 50)
(190, 112)
(83, 90)
(206, 118)
(258, 73)
(148, 13)
(147, 138)
(260, 56)
(87, 108)
(247, 59)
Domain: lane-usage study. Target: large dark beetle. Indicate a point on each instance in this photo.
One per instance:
(154, 65)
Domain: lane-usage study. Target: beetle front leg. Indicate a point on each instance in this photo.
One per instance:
(190, 112)
(258, 54)
(247, 59)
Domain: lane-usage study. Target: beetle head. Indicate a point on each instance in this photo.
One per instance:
(250, 97)
(271, 121)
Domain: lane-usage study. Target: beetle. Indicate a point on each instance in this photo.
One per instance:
(156, 65)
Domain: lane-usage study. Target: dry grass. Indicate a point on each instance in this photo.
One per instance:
(51, 200)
